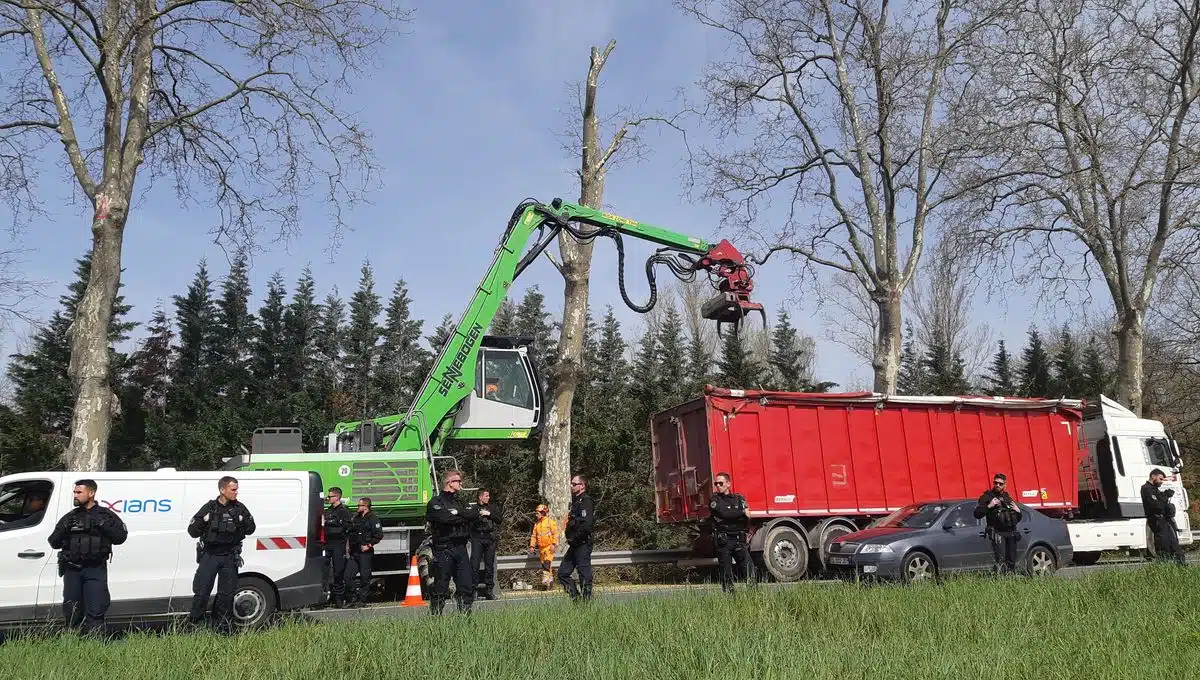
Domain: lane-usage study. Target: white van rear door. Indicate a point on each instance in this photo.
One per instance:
(30, 586)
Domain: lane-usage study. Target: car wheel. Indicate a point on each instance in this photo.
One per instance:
(918, 566)
(1041, 561)
(253, 602)
(785, 554)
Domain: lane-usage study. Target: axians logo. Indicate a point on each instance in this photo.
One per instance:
(136, 505)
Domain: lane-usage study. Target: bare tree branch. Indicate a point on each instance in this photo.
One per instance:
(1086, 109)
(235, 101)
(853, 107)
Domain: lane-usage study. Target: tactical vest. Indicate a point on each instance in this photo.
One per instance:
(224, 528)
(84, 544)
(337, 523)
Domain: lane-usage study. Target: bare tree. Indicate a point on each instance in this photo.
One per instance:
(692, 295)
(853, 320)
(18, 292)
(853, 108)
(942, 299)
(230, 99)
(596, 158)
(1088, 106)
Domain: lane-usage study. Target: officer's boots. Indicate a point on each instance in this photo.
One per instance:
(587, 591)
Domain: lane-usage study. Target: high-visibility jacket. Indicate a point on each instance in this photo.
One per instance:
(545, 533)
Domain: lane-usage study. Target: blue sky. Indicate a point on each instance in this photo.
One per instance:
(465, 115)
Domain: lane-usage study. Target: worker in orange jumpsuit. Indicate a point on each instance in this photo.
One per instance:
(542, 541)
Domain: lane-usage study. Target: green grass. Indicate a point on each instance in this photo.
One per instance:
(1121, 624)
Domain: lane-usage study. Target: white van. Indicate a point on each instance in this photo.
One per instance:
(150, 575)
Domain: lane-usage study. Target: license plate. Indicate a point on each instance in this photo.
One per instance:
(839, 560)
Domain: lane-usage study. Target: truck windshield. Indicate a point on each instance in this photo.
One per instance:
(914, 516)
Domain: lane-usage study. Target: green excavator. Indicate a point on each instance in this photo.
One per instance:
(484, 388)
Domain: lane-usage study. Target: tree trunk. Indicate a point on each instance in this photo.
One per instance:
(1131, 335)
(89, 368)
(887, 342)
(555, 450)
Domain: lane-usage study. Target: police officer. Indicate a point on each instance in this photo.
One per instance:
(730, 526)
(580, 520)
(1160, 516)
(485, 531)
(450, 521)
(366, 531)
(221, 525)
(337, 525)
(1003, 515)
(84, 538)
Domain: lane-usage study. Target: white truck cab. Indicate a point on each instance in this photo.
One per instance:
(150, 575)
(1122, 449)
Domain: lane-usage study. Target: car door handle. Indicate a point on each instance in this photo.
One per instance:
(1025, 530)
(30, 554)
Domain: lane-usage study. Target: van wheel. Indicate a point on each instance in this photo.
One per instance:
(785, 554)
(253, 602)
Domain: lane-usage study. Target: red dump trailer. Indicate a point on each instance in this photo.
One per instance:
(816, 466)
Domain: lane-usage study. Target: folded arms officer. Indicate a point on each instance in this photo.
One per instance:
(366, 531)
(450, 527)
(84, 538)
(221, 525)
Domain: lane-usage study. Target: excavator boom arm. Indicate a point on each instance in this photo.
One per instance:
(429, 419)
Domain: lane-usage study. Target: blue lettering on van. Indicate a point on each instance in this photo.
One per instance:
(137, 505)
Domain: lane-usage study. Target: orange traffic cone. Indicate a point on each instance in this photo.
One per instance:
(412, 596)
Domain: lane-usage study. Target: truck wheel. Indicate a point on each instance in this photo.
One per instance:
(1085, 559)
(1040, 561)
(253, 602)
(831, 531)
(918, 566)
(785, 553)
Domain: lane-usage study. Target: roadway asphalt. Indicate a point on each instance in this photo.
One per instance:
(624, 593)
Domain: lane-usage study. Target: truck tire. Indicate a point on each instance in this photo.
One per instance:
(830, 530)
(785, 554)
(254, 602)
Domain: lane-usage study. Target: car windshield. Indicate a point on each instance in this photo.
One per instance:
(919, 516)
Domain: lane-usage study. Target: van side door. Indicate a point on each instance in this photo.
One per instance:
(29, 509)
(142, 570)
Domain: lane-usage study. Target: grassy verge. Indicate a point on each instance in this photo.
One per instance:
(1124, 624)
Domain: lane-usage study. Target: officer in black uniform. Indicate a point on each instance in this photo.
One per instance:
(1160, 516)
(1003, 515)
(450, 519)
(485, 531)
(84, 538)
(730, 528)
(366, 531)
(580, 520)
(221, 525)
(337, 525)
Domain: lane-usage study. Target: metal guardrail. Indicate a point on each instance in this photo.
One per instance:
(612, 558)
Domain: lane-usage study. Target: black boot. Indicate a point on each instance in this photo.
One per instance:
(587, 591)
(436, 605)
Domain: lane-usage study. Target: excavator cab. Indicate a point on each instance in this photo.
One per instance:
(507, 400)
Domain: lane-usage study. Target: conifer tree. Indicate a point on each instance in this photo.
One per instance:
(396, 377)
(1000, 379)
(913, 379)
(788, 358)
(362, 340)
(738, 369)
(1034, 376)
(1068, 376)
